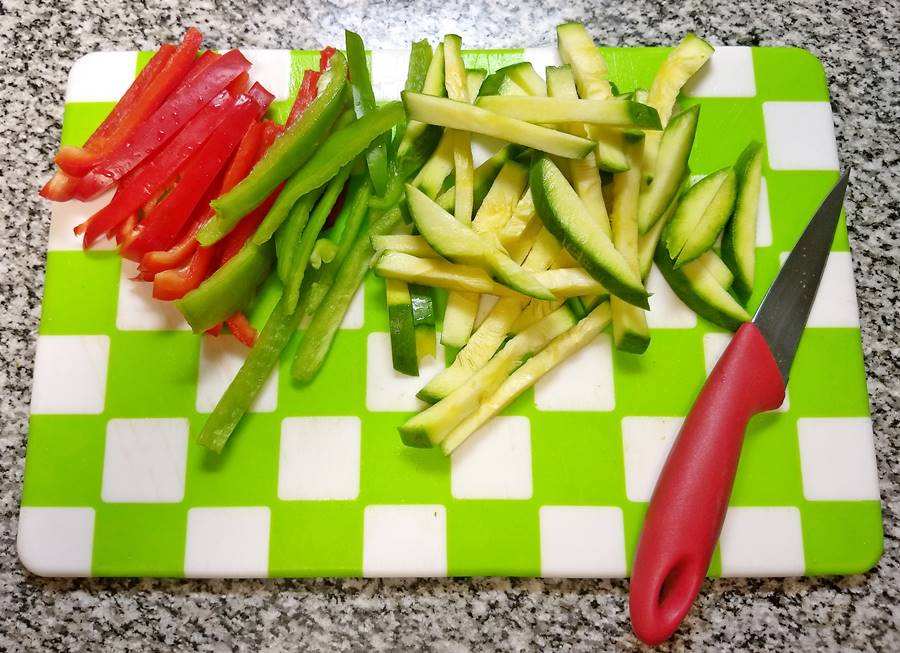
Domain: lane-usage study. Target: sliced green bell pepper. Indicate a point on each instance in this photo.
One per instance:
(363, 104)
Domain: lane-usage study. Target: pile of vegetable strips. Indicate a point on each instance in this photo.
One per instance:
(561, 225)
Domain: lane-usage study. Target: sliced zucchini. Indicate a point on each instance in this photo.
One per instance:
(699, 289)
(717, 268)
(558, 350)
(671, 165)
(431, 177)
(412, 245)
(434, 85)
(647, 243)
(463, 116)
(571, 282)
(438, 273)
(474, 79)
(485, 174)
(482, 345)
(403, 333)
(544, 252)
(681, 64)
(739, 239)
(533, 312)
(500, 83)
(585, 179)
(700, 216)
(459, 242)
(520, 230)
(463, 167)
(609, 113)
(433, 423)
(424, 319)
(630, 330)
(592, 79)
(501, 201)
(565, 216)
(459, 318)
(515, 79)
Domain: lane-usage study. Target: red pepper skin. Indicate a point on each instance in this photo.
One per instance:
(240, 84)
(174, 257)
(201, 62)
(161, 227)
(241, 329)
(77, 161)
(305, 95)
(215, 331)
(60, 187)
(147, 180)
(175, 284)
(163, 124)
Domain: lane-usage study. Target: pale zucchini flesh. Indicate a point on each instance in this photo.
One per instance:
(431, 177)
(402, 329)
(739, 239)
(463, 116)
(438, 273)
(434, 85)
(647, 242)
(717, 268)
(557, 351)
(412, 245)
(609, 113)
(459, 318)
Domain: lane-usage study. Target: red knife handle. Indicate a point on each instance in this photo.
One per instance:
(688, 505)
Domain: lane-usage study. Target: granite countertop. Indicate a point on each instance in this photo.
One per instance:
(857, 43)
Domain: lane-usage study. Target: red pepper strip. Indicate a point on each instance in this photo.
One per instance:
(206, 57)
(336, 209)
(60, 187)
(165, 122)
(241, 329)
(175, 284)
(325, 58)
(162, 226)
(156, 95)
(240, 84)
(148, 179)
(215, 331)
(305, 95)
(79, 160)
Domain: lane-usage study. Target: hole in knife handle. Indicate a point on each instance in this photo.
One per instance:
(676, 592)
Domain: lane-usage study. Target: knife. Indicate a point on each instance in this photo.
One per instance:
(688, 505)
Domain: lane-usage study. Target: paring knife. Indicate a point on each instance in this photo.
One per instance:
(688, 505)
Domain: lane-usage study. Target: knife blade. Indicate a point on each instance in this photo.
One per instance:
(690, 499)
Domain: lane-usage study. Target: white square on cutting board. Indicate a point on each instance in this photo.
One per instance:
(220, 359)
(272, 69)
(138, 311)
(65, 216)
(56, 541)
(583, 382)
(70, 375)
(495, 462)
(800, 136)
(835, 303)
(762, 541)
(667, 311)
(389, 69)
(101, 77)
(646, 442)
(387, 389)
(582, 542)
(144, 460)
(230, 542)
(540, 58)
(728, 73)
(319, 458)
(402, 541)
(837, 459)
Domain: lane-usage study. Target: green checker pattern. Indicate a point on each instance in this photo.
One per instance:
(94, 505)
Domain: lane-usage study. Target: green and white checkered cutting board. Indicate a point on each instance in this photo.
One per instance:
(316, 482)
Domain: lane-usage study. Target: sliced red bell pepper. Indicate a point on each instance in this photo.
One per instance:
(79, 160)
(155, 95)
(60, 187)
(206, 57)
(175, 284)
(163, 124)
(214, 331)
(148, 179)
(241, 329)
(335, 210)
(161, 227)
(325, 57)
(305, 95)
(240, 84)
(175, 256)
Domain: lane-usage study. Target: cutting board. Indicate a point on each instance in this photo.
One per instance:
(315, 482)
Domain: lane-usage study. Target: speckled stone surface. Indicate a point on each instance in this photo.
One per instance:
(858, 44)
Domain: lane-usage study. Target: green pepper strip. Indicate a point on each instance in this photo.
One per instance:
(290, 151)
(364, 103)
(358, 194)
(287, 237)
(420, 56)
(337, 151)
(228, 290)
(311, 232)
(317, 341)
